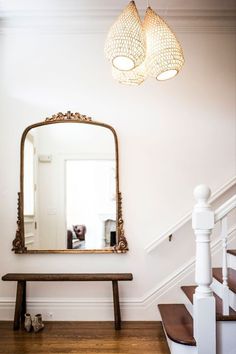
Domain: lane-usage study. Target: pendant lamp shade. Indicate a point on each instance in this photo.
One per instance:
(131, 77)
(164, 55)
(125, 45)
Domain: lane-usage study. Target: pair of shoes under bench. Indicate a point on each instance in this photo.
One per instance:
(35, 322)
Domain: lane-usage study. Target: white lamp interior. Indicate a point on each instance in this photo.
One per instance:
(165, 75)
(123, 63)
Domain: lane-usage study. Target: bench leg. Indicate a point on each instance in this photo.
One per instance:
(116, 304)
(20, 306)
(23, 308)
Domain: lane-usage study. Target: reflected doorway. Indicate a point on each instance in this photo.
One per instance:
(90, 202)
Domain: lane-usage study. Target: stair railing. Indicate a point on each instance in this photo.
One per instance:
(221, 216)
(204, 313)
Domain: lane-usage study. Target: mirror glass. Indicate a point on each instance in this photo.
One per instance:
(69, 185)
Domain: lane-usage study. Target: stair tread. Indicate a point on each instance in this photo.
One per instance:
(190, 290)
(217, 274)
(178, 323)
(233, 252)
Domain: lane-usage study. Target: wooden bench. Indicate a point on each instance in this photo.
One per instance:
(22, 278)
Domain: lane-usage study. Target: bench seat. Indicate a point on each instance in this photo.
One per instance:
(22, 278)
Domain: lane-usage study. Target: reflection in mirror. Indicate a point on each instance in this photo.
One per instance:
(70, 196)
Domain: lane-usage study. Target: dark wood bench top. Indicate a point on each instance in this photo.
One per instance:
(67, 276)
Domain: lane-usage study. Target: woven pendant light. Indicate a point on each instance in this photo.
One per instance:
(125, 45)
(130, 77)
(164, 53)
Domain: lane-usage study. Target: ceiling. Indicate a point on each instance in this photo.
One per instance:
(94, 16)
(13, 5)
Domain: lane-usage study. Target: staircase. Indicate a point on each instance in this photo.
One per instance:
(206, 324)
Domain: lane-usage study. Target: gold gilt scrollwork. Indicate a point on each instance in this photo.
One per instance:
(122, 245)
(68, 116)
(18, 242)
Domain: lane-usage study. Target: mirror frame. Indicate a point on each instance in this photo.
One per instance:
(19, 241)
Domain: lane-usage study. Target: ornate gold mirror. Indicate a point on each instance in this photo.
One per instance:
(69, 200)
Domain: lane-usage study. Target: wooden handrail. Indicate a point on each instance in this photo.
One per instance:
(225, 208)
(187, 217)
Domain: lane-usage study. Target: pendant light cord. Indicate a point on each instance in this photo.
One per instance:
(166, 9)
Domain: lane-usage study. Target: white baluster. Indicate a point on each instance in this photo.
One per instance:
(225, 292)
(204, 301)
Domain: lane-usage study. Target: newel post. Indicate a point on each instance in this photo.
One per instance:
(204, 301)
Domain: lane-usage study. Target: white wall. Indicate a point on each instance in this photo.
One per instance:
(172, 136)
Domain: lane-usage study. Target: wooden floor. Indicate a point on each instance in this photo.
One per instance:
(85, 338)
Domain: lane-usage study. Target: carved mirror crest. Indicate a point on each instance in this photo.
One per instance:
(69, 199)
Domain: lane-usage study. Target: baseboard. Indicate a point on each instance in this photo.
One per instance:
(76, 309)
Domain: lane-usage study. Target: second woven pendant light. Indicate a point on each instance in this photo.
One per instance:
(164, 56)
